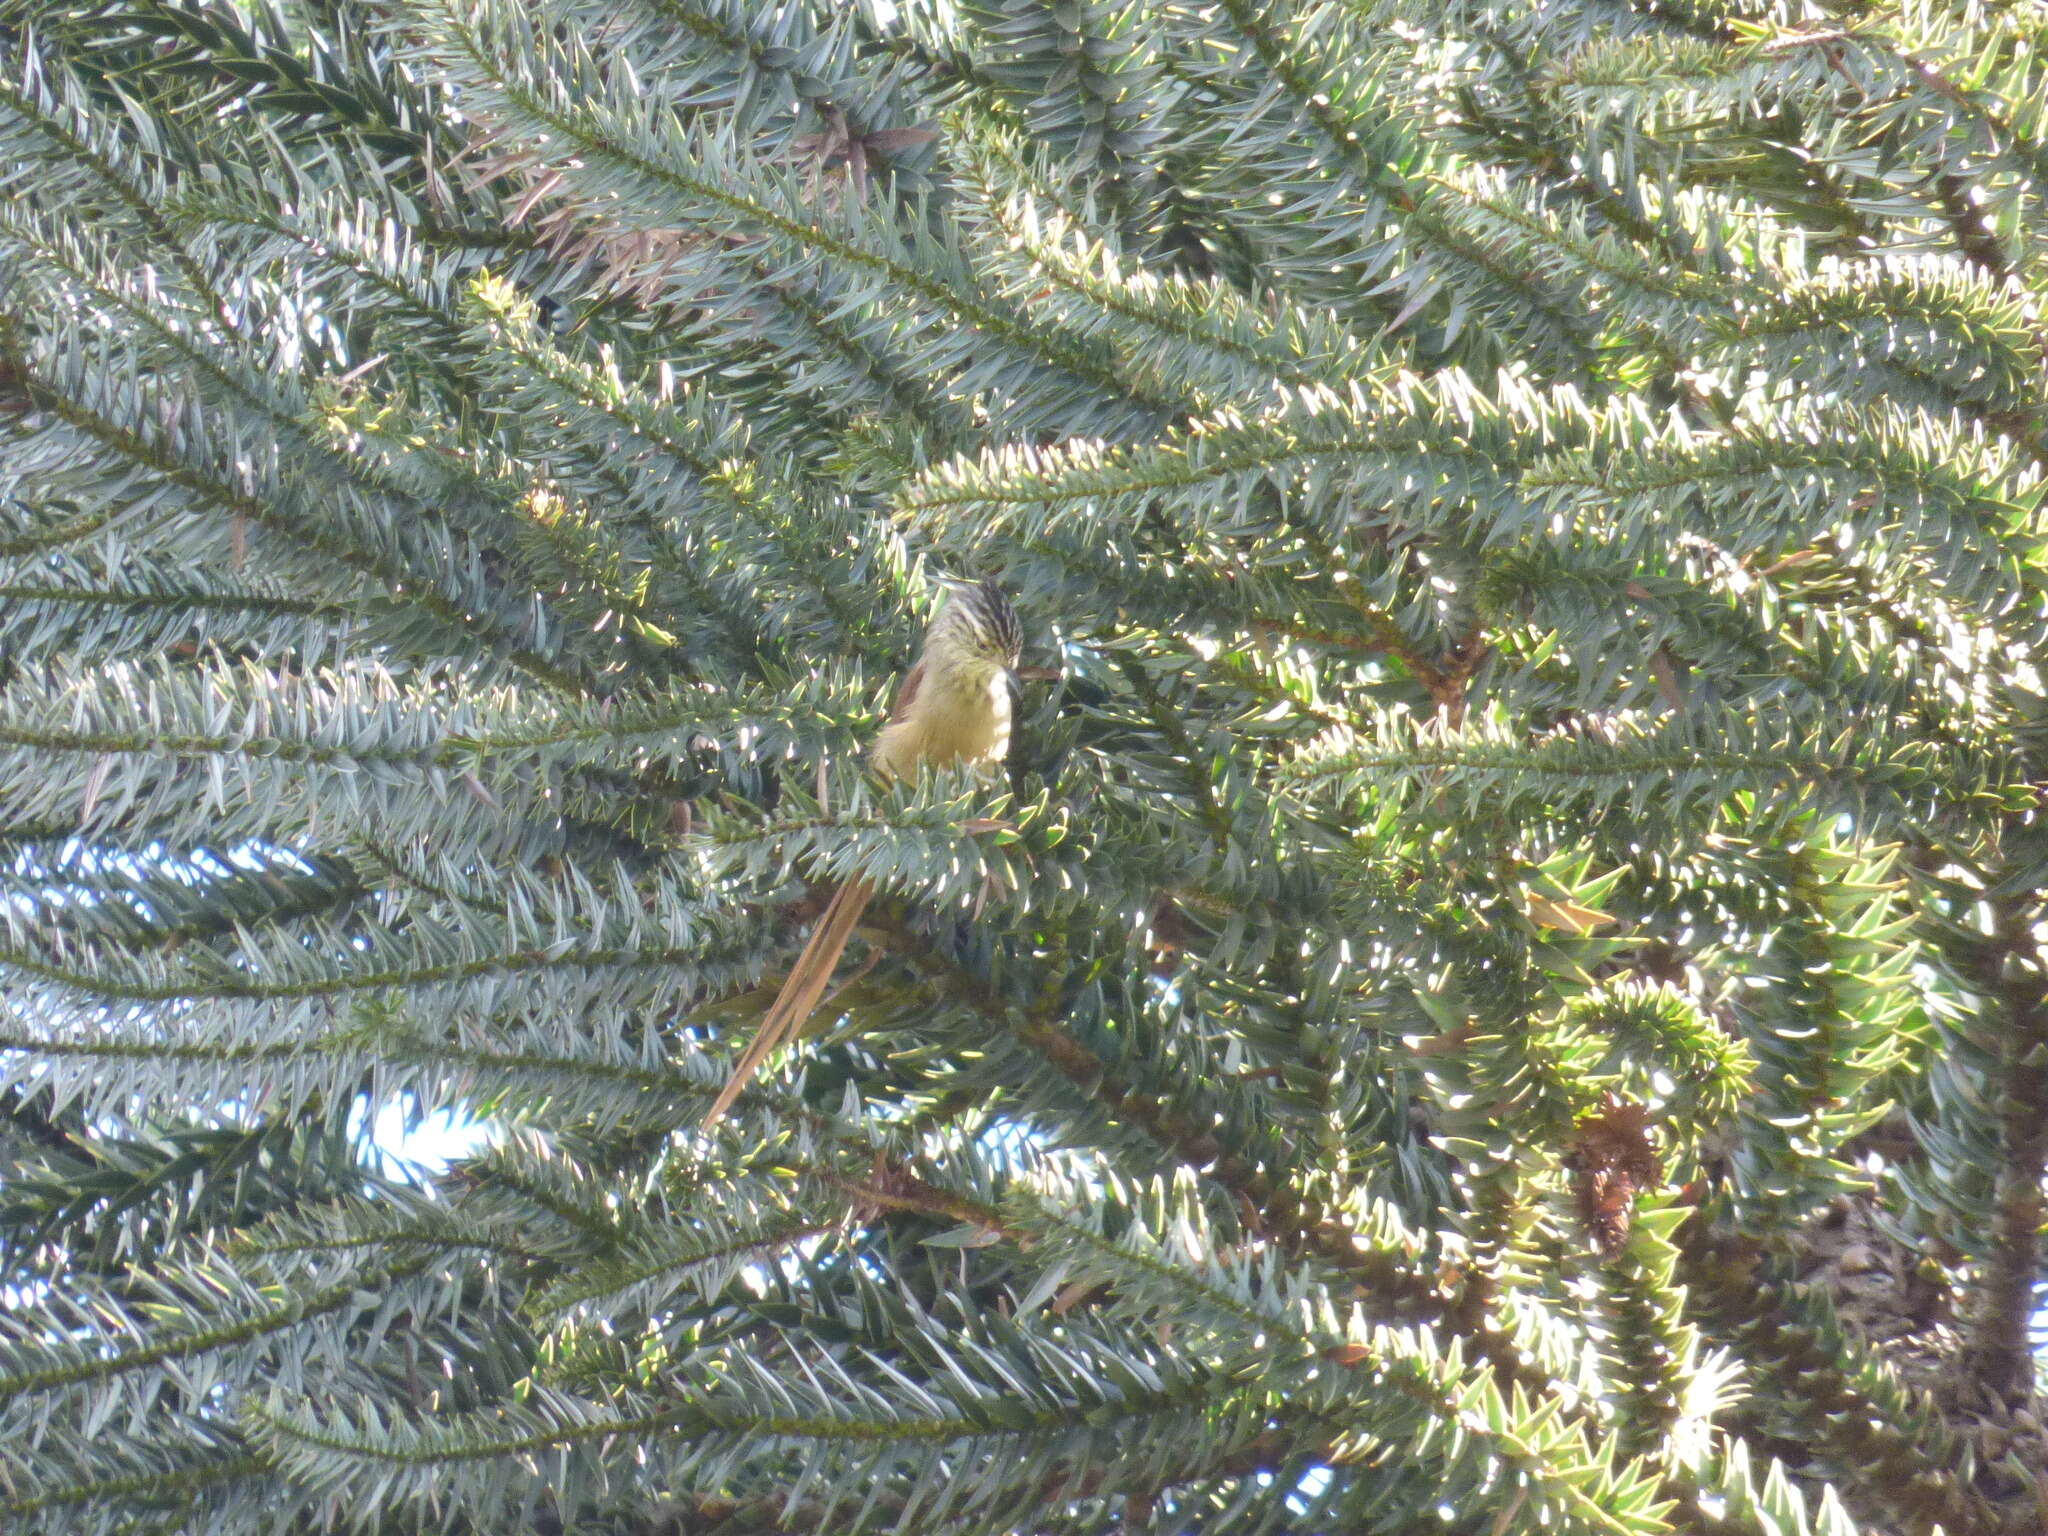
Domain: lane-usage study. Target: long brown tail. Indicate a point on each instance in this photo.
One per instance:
(801, 990)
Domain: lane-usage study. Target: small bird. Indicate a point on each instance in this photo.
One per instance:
(953, 707)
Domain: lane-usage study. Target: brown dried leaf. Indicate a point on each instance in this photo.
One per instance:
(1071, 1295)
(1666, 674)
(1563, 914)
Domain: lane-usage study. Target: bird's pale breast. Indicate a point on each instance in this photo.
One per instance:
(964, 722)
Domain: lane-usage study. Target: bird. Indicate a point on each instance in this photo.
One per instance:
(952, 707)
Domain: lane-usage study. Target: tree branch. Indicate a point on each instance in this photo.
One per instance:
(1999, 1353)
(1887, 1471)
(1287, 1219)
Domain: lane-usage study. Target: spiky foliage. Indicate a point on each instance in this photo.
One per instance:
(1526, 809)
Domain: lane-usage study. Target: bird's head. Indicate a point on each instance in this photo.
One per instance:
(977, 630)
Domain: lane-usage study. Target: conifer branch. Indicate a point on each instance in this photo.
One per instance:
(159, 458)
(179, 1487)
(1890, 1453)
(2000, 1352)
(142, 202)
(554, 119)
(1283, 1215)
(1521, 504)
(21, 1374)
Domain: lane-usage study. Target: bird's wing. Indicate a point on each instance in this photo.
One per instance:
(906, 694)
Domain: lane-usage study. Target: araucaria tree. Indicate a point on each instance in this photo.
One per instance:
(1499, 988)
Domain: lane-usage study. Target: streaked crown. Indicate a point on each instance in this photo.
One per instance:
(980, 614)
